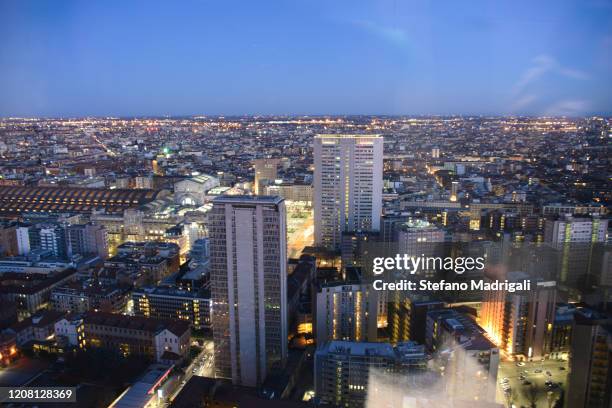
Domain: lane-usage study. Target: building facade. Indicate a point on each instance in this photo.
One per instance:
(521, 323)
(136, 335)
(590, 363)
(172, 303)
(344, 370)
(347, 186)
(266, 171)
(345, 311)
(248, 248)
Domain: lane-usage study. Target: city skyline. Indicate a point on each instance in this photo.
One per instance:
(146, 241)
(383, 57)
(296, 204)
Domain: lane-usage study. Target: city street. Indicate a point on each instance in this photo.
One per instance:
(202, 365)
(523, 395)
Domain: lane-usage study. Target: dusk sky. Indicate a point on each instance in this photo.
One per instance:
(123, 58)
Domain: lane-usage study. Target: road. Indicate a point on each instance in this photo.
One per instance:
(203, 365)
(23, 371)
(522, 395)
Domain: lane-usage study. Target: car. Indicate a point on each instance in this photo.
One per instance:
(548, 373)
(526, 382)
(520, 363)
(537, 371)
(521, 377)
(561, 368)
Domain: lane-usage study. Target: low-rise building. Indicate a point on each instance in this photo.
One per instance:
(31, 292)
(160, 339)
(70, 330)
(172, 303)
(78, 297)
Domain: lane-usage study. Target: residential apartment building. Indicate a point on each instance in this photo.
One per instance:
(344, 370)
(521, 323)
(347, 186)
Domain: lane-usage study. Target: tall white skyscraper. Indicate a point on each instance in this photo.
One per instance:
(347, 186)
(248, 260)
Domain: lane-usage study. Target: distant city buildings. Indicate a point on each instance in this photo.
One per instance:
(142, 263)
(192, 191)
(126, 234)
(347, 186)
(291, 192)
(266, 172)
(16, 200)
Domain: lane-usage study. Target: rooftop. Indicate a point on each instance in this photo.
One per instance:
(248, 199)
(151, 325)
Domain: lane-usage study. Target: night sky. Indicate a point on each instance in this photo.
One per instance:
(124, 58)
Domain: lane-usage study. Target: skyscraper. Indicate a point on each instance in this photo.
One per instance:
(248, 259)
(347, 186)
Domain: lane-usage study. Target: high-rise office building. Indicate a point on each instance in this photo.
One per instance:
(266, 171)
(347, 186)
(248, 261)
